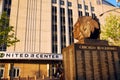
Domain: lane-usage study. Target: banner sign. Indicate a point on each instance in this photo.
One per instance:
(35, 56)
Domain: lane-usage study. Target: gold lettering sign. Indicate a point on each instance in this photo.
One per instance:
(98, 47)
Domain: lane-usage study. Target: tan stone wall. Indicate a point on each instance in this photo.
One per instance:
(69, 63)
(31, 21)
(31, 69)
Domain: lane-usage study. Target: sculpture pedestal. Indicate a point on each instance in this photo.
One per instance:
(91, 62)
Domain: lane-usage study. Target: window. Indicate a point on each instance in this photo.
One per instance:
(1, 72)
(16, 72)
(80, 6)
(80, 13)
(9, 1)
(62, 2)
(86, 7)
(7, 4)
(98, 2)
(92, 9)
(93, 15)
(54, 18)
(3, 47)
(54, 29)
(54, 1)
(62, 19)
(86, 13)
(69, 4)
(70, 20)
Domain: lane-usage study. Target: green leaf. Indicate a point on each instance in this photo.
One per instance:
(7, 35)
(111, 30)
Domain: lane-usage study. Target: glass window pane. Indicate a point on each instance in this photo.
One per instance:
(86, 7)
(80, 6)
(54, 1)
(69, 4)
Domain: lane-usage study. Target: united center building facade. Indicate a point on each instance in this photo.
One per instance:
(45, 26)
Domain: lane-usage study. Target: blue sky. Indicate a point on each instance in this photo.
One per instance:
(113, 2)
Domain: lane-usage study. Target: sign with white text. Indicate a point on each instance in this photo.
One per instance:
(35, 56)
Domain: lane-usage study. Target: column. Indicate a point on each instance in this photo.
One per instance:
(66, 23)
(58, 27)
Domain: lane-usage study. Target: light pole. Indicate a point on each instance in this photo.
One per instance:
(110, 11)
